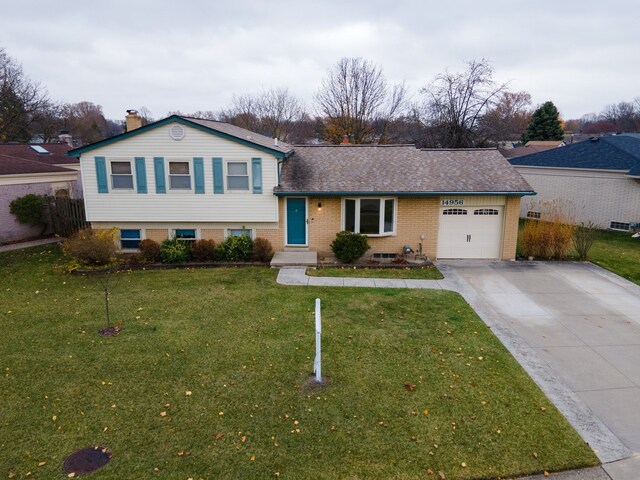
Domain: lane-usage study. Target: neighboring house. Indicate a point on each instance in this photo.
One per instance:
(190, 178)
(598, 178)
(532, 146)
(43, 169)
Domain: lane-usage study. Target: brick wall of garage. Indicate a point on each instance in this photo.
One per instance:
(510, 229)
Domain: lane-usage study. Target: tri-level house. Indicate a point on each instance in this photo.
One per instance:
(191, 178)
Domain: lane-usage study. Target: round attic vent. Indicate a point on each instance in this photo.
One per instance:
(176, 132)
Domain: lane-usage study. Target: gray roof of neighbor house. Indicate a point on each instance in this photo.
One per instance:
(225, 130)
(397, 170)
(619, 152)
(242, 133)
(22, 158)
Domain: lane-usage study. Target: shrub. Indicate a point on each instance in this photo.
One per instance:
(30, 209)
(349, 246)
(262, 250)
(235, 249)
(90, 247)
(149, 250)
(550, 237)
(583, 238)
(203, 250)
(174, 251)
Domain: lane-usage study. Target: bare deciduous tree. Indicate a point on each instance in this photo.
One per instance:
(353, 96)
(85, 121)
(455, 104)
(272, 112)
(508, 118)
(20, 101)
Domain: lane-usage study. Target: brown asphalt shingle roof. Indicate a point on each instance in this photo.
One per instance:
(20, 158)
(397, 169)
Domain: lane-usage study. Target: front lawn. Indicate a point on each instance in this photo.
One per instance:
(428, 272)
(209, 379)
(619, 253)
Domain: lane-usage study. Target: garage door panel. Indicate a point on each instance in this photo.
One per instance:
(470, 232)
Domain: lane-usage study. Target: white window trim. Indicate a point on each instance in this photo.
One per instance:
(132, 174)
(248, 175)
(142, 237)
(392, 233)
(169, 175)
(197, 232)
(252, 230)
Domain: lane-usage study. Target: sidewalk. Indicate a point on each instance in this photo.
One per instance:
(32, 243)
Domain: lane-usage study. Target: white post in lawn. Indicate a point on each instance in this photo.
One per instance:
(317, 363)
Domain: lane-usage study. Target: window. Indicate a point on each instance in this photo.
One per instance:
(485, 211)
(188, 234)
(370, 216)
(619, 226)
(237, 176)
(130, 239)
(532, 214)
(121, 175)
(238, 232)
(454, 211)
(179, 176)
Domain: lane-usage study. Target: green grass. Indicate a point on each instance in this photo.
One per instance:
(244, 347)
(425, 273)
(619, 253)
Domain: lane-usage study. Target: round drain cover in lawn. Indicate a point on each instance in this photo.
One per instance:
(86, 460)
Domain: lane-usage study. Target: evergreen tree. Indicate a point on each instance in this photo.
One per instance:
(544, 124)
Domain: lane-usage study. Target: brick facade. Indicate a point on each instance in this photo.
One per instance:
(510, 228)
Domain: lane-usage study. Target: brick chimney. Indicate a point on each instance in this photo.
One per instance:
(345, 139)
(65, 137)
(133, 120)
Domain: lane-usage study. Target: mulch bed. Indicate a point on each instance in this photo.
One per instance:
(110, 331)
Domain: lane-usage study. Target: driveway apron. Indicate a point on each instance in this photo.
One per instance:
(582, 323)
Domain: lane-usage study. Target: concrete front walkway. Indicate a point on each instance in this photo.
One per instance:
(32, 243)
(575, 329)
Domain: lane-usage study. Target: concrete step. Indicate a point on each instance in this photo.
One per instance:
(294, 259)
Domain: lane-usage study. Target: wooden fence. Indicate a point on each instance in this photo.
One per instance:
(66, 215)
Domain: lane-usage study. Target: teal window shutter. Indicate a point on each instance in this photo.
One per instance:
(256, 173)
(141, 175)
(161, 183)
(101, 175)
(198, 174)
(218, 175)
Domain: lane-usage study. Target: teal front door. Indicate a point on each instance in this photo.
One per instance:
(296, 221)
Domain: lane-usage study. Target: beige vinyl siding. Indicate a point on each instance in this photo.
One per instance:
(179, 206)
(597, 196)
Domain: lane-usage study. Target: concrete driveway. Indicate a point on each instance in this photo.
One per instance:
(576, 329)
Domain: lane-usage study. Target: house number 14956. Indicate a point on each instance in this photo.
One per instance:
(452, 203)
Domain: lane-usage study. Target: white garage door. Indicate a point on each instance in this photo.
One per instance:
(470, 232)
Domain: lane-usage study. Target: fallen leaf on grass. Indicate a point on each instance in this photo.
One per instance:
(163, 414)
(409, 386)
(442, 477)
(42, 464)
(218, 436)
(188, 393)
(425, 412)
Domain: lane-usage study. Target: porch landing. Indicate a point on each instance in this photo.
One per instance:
(294, 259)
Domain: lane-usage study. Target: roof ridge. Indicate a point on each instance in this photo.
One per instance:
(613, 144)
(341, 145)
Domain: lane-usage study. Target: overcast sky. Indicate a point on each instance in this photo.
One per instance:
(194, 55)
